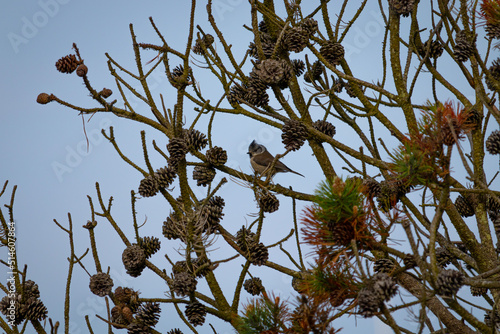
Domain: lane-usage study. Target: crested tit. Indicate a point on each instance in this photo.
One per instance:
(261, 160)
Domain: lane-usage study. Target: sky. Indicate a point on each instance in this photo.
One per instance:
(44, 149)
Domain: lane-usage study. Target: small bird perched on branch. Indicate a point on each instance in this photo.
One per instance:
(261, 161)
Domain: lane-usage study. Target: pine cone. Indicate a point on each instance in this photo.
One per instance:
(447, 137)
(493, 143)
(105, 93)
(478, 291)
(201, 267)
(253, 286)
(148, 314)
(44, 98)
(268, 46)
(371, 188)
(35, 310)
(138, 328)
(298, 67)
(464, 46)
(150, 245)
(383, 265)
(464, 207)
(121, 315)
(492, 204)
(203, 175)
(349, 90)
(195, 312)
(30, 289)
(409, 261)
(165, 176)
(175, 331)
(212, 211)
(310, 25)
(258, 254)
(368, 303)
(262, 26)
(255, 92)
(295, 39)
(443, 257)
(272, 71)
(177, 148)
(257, 98)
(195, 140)
(184, 284)
(402, 7)
(294, 133)
(205, 41)
(314, 73)
(148, 186)
(101, 284)
(124, 295)
(472, 119)
(134, 260)
(268, 202)
(449, 282)
(435, 50)
(236, 94)
(384, 286)
(172, 226)
(324, 126)
(177, 73)
(492, 30)
(82, 70)
(245, 238)
(495, 73)
(341, 232)
(7, 303)
(333, 52)
(390, 192)
(492, 319)
(67, 64)
(216, 156)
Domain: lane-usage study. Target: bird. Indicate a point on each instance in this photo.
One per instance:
(261, 160)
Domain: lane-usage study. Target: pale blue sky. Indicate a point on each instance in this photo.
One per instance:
(37, 141)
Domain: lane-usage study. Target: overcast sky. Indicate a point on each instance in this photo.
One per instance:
(44, 150)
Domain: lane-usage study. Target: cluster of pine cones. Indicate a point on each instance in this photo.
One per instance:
(274, 69)
(134, 256)
(387, 192)
(190, 141)
(255, 252)
(129, 312)
(380, 288)
(207, 219)
(27, 303)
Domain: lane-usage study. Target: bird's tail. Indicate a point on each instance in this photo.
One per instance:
(295, 172)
